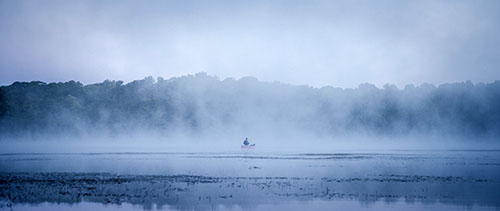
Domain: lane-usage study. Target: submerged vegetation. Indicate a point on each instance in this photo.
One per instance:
(201, 103)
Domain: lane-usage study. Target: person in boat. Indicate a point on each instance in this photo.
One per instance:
(246, 143)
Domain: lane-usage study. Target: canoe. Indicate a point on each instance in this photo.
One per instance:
(248, 146)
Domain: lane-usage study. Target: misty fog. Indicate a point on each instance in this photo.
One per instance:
(261, 105)
(206, 109)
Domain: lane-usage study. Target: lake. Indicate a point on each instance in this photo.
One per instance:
(251, 180)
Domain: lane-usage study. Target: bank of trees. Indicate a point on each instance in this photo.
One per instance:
(197, 103)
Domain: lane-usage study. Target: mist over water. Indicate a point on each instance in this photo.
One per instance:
(207, 111)
(264, 105)
(177, 144)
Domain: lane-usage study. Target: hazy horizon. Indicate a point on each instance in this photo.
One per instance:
(155, 78)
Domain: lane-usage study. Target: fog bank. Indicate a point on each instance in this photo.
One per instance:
(203, 108)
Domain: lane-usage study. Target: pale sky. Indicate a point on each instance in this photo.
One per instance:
(318, 43)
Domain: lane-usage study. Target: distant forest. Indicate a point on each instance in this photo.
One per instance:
(200, 103)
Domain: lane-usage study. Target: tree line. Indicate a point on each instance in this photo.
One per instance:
(197, 103)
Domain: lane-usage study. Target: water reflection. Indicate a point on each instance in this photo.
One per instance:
(227, 181)
(188, 192)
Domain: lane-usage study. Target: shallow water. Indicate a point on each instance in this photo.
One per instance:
(243, 180)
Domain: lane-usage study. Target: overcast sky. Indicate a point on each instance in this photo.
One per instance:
(337, 43)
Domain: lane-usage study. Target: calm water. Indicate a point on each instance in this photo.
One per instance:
(251, 180)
